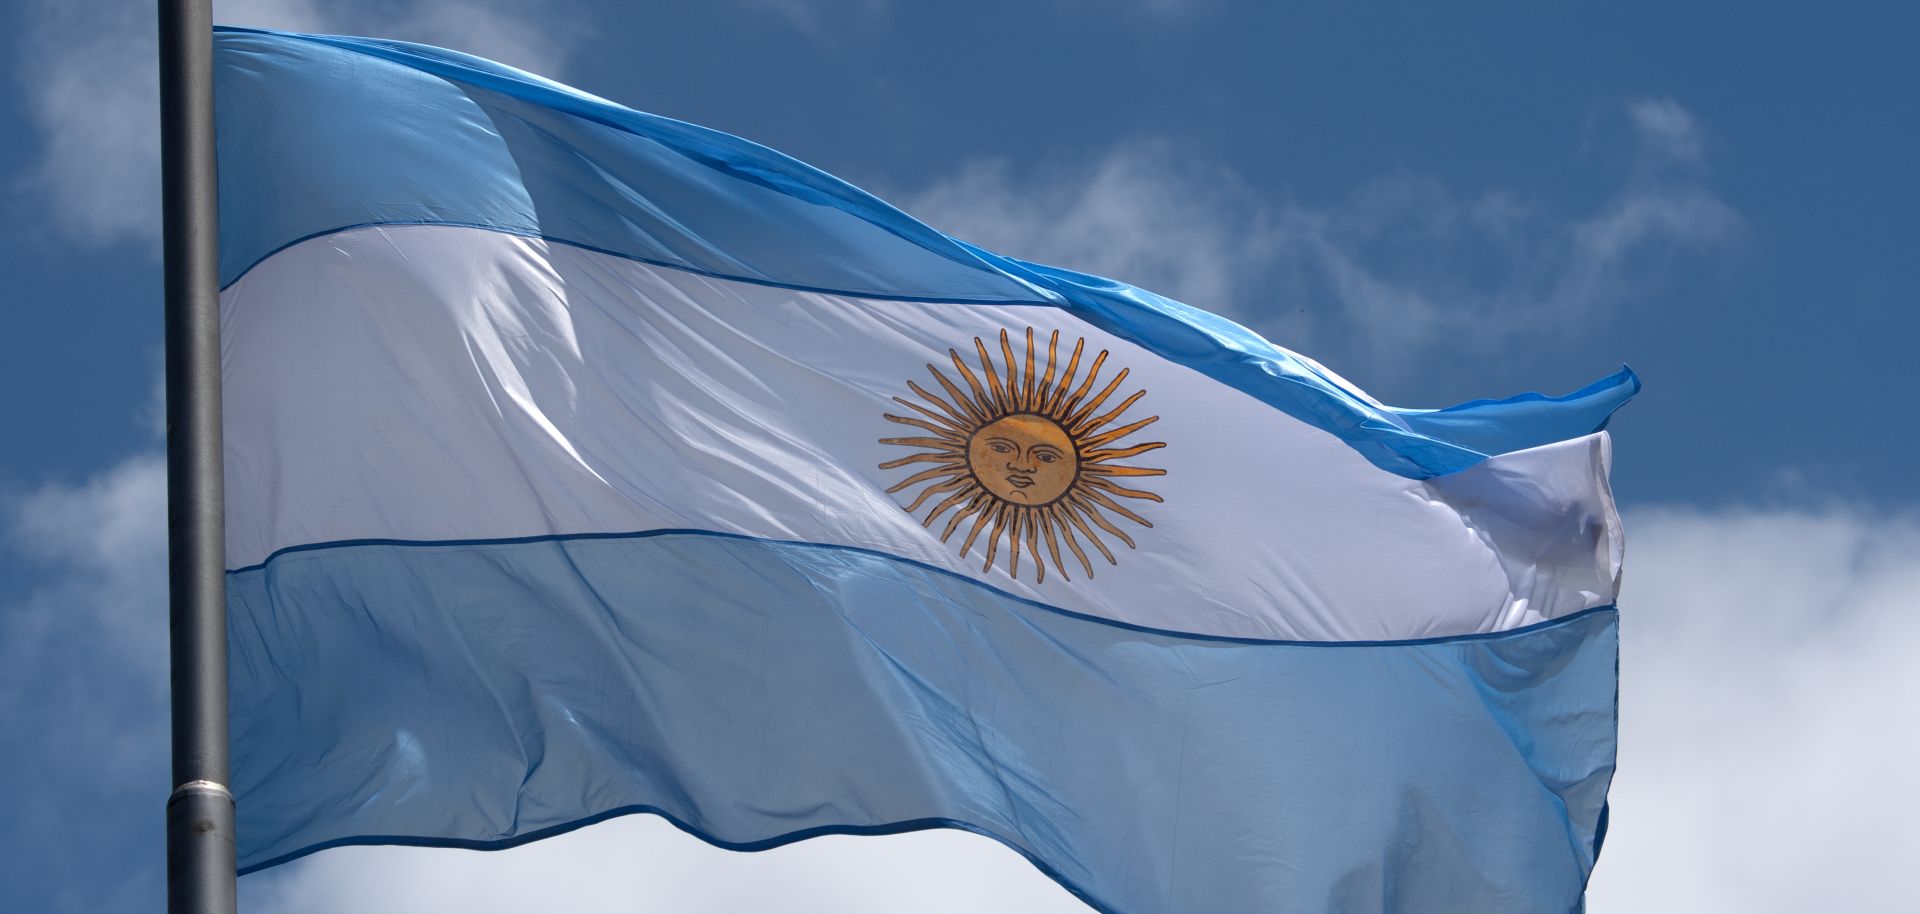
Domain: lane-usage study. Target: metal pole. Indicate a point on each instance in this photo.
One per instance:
(200, 853)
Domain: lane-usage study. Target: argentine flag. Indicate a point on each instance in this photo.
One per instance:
(581, 462)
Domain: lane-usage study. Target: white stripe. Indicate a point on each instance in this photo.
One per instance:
(442, 383)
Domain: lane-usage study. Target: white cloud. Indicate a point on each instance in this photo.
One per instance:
(105, 543)
(1768, 704)
(1667, 128)
(83, 650)
(92, 89)
(535, 40)
(1404, 267)
(827, 21)
(1142, 213)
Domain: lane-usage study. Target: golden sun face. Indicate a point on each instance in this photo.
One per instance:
(1028, 458)
(1023, 459)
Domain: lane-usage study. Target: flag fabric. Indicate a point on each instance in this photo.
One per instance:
(582, 462)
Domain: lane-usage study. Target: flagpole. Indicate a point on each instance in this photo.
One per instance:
(200, 850)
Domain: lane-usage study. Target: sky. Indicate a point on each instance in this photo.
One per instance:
(1439, 205)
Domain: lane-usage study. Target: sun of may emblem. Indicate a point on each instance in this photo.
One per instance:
(1027, 457)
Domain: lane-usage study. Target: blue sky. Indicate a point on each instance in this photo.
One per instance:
(1440, 205)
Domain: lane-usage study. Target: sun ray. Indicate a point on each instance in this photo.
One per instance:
(1102, 456)
(954, 414)
(979, 502)
(1026, 378)
(1017, 515)
(1122, 471)
(1072, 513)
(993, 538)
(1108, 485)
(981, 399)
(1074, 420)
(974, 414)
(962, 495)
(1033, 545)
(999, 402)
(925, 475)
(924, 425)
(939, 418)
(1093, 425)
(1019, 455)
(1092, 513)
(1053, 545)
(978, 525)
(1013, 373)
(1066, 533)
(939, 444)
(931, 491)
(1093, 376)
(1066, 380)
(952, 457)
(1121, 432)
(1095, 496)
(1045, 391)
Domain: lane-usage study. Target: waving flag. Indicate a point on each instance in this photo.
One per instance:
(582, 462)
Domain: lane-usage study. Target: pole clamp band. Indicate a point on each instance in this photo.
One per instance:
(200, 788)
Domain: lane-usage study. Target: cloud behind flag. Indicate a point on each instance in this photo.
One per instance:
(583, 462)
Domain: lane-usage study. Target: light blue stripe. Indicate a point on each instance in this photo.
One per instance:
(1501, 426)
(752, 691)
(319, 134)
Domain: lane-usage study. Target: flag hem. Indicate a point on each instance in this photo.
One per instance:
(763, 844)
